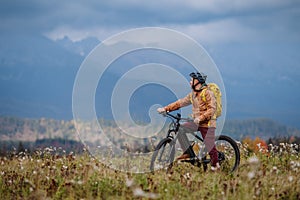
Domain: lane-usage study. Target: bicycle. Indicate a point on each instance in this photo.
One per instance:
(164, 154)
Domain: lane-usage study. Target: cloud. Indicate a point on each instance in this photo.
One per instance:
(209, 21)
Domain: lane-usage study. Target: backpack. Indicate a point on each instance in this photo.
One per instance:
(218, 95)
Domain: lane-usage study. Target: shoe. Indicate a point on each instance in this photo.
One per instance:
(183, 156)
(215, 168)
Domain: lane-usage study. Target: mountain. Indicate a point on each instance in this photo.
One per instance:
(37, 76)
(82, 47)
(261, 80)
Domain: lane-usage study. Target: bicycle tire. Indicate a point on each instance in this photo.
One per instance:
(229, 155)
(163, 155)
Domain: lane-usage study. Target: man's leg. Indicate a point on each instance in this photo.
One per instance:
(184, 141)
(208, 135)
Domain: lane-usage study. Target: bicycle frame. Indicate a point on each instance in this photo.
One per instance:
(176, 124)
(174, 127)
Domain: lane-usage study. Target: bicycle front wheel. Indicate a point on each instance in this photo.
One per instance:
(163, 155)
(228, 153)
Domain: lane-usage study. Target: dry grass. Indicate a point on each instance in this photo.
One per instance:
(44, 175)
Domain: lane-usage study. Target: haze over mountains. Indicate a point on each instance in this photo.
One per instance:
(37, 76)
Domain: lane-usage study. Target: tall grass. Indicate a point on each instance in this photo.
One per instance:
(48, 175)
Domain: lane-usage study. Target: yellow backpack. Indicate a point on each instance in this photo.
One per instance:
(218, 95)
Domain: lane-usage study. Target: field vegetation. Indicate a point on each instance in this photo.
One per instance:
(53, 173)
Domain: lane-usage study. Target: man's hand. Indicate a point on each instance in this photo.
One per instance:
(197, 120)
(161, 111)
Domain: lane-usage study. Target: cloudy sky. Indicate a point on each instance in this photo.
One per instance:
(219, 21)
(254, 42)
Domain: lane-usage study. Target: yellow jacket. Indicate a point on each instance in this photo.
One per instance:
(204, 110)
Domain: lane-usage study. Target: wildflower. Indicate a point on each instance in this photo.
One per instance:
(30, 183)
(129, 182)
(251, 175)
(291, 178)
(259, 145)
(187, 176)
(138, 192)
(253, 160)
(275, 169)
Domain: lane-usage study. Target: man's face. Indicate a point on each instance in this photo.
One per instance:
(195, 82)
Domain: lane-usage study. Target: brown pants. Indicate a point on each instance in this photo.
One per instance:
(208, 135)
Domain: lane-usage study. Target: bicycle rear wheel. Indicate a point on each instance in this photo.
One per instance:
(228, 153)
(163, 155)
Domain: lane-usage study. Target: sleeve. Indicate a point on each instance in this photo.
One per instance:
(179, 103)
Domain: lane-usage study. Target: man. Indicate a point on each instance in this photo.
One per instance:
(203, 115)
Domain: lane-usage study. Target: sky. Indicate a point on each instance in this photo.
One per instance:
(218, 21)
(266, 29)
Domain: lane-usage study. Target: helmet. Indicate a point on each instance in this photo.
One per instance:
(199, 76)
(201, 80)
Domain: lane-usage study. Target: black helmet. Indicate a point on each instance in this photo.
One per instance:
(200, 77)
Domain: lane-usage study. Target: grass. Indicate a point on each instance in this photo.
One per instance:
(45, 175)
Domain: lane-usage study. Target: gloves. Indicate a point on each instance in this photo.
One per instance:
(161, 111)
(197, 121)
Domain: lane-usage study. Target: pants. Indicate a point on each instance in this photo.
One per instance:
(208, 135)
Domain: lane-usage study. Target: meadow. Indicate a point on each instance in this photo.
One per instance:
(51, 173)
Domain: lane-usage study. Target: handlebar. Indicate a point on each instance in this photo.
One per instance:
(178, 117)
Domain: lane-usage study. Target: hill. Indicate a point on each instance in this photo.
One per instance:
(260, 127)
(24, 129)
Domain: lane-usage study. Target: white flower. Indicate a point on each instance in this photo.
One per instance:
(129, 182)
(251, 175)
(290, 178)
(138, 192)
(253, 160)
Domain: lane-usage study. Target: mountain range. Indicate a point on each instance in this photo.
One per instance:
(37, 76)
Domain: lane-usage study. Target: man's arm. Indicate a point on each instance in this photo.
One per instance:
(178, 104)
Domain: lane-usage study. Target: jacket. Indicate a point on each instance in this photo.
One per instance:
(204, 110)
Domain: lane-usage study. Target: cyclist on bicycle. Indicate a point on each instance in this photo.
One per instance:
(203, 115)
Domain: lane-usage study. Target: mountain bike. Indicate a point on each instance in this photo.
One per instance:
(165, 152)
